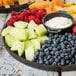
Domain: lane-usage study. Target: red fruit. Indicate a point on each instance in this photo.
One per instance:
(26, 19)
(14, 17)
(33, 12)
(12, 20)
(74, 29)
(9, 24)
(38, 15)
(21, 19)
(43, 14)
(17, 18)
(31, 17)
(13, 13)
(18, 13)
(28, 12)
(25, 10)
(22, 14)
(43, 10)
(37, 21)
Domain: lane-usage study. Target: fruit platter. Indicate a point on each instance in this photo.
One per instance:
(43, 36)
(6, 6)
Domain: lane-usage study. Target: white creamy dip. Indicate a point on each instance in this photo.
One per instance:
(58, 22)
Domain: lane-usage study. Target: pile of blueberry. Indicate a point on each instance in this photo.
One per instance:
(58, 50)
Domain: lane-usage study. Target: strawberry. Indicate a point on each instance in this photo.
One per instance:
(74, 29)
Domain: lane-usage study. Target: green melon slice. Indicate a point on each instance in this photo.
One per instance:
(43, 38)
(29, 50)
(10, 40)
(21, 24)
(41, 30)
(36, 44)
(7, 30)
(19, 34)
(32, 25)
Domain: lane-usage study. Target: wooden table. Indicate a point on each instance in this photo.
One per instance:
(11, 67)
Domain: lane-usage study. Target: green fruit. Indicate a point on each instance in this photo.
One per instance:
(43, 38)
(21, 48)
(18, 46)
(19, 34)
(29, 50)
(15, 46)
(41, 30)
(36, 44)
(10, 40)
(6, 30)
(32, 25)
(21, 24)
(31, 34)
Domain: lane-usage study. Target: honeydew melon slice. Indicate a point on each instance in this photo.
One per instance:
(36, 44)
(21, 24)
(41, 30)
(32, 25)
(43, 38)
(7, 30)
(18, 46)
(19, 34)
(31, 34)
(10, 40)
(29, 50)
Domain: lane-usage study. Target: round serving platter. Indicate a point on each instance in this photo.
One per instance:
(38, 66)
(16, 8)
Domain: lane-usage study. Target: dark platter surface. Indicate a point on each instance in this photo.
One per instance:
(16, 8)
(38, 66)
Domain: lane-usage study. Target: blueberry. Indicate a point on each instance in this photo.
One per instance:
(50, 48)
(56, 36)
(40, 61)
(73, 60)
(54, 63)
(62, 62)
(38, 50)
(43, 46)
(33, 60)
(46, 62)
(57, 53)
(62, 55)
(57, 60)
(47, 53)
(49, 56)
(51, 60)
(46, 50)
(69, 50)
(59, 64)
(47, 41)
(52, 52)
(64, 50)
(59, 57)
(67, 61)
(41, 54)
(66, 57)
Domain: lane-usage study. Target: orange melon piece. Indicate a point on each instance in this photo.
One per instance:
(1, 3)
(39, 4)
